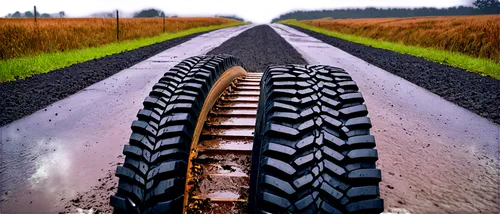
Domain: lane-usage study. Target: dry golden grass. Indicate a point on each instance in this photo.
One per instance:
(24, 37)
(477, 36)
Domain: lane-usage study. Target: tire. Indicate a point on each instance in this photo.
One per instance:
(313, 152)
(152, 178)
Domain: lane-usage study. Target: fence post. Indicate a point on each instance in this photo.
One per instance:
(163, 22)
(117, 26)
(35, 12)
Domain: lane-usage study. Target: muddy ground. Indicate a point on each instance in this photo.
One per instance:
(479, 94)
(96, 199)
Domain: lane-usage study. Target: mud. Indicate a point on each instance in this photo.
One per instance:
(232, 145)
(224, 163)
(97, 198)
(231, 121)
(220, 176)
(241, 98)
(422, 175)
(229, 132)
(207, 173)
(233, 208)
(479, 94)
(239, 112)
(260, 47)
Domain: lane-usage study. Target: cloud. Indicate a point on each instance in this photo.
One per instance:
(259, 15)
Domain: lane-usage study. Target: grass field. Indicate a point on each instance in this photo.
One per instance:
(64, 53)
(23, 37)
(468, 42)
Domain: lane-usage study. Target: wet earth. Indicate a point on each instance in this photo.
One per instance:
(96, 199)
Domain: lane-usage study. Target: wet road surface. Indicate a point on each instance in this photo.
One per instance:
(435, 156)
(464, 88)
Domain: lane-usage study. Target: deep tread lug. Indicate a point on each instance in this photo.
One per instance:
(152, 177)
(313, 145)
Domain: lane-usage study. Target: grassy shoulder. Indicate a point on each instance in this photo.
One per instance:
(20, 68)
(484, 67)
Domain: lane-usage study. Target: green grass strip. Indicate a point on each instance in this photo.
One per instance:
(481, 66)
(20, 68)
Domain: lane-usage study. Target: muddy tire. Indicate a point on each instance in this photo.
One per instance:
(152, 178)
(313, 152)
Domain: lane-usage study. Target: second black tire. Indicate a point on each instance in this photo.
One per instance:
(313, 152)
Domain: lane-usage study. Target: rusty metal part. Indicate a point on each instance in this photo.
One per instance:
(219, 87)
(220, 161)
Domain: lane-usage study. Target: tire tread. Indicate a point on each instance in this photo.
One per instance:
(153, 175)
(313, 147)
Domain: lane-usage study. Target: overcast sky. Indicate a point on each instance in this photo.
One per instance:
(261, 15)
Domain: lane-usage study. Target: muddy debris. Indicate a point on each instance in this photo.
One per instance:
(96, 199)
(228, 167)
(195, 206)
(243, 193)
(205, 160)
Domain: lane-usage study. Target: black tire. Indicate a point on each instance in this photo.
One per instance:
(152, 178)
(313, 152)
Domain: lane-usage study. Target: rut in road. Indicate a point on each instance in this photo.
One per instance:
(221, 171)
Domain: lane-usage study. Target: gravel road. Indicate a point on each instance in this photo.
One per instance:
(479, 94)
(260, 47)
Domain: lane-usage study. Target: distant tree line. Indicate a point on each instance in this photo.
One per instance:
(30, 14)
(146, 13)
(232, 17)
(479, 7)
(151, 13)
